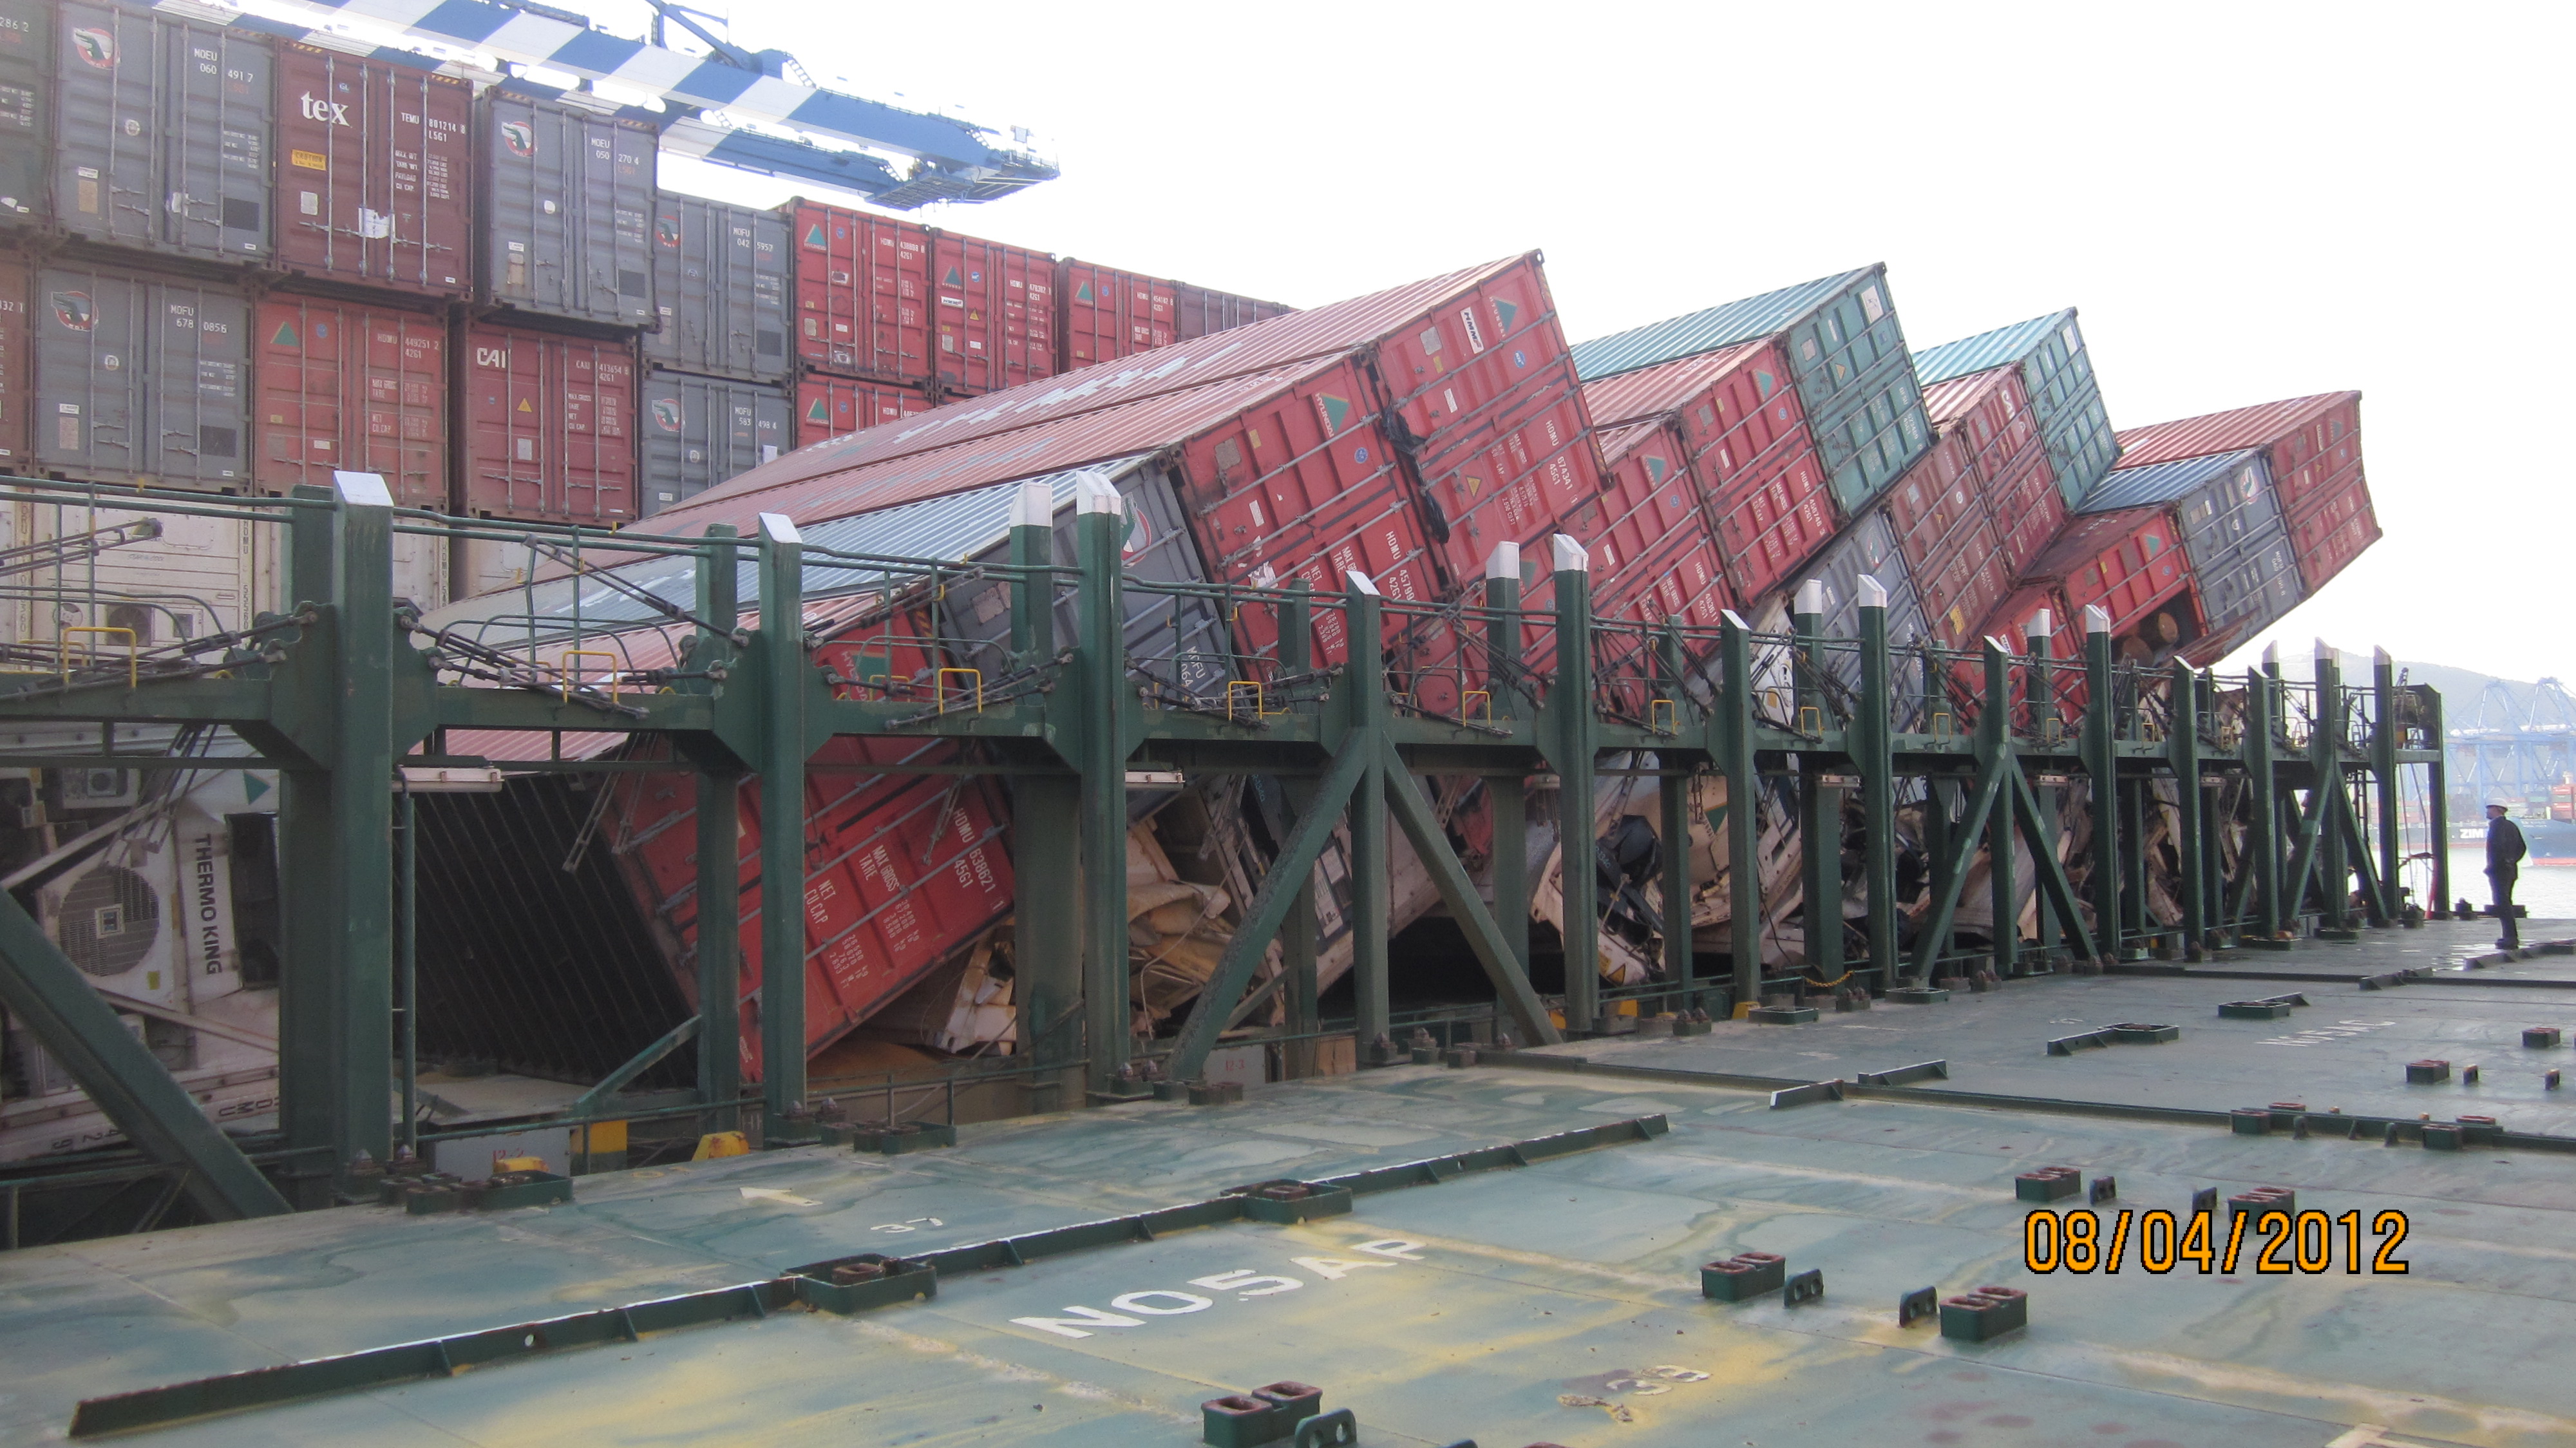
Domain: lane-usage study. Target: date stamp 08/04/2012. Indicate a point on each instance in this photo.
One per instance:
(2276, 1242)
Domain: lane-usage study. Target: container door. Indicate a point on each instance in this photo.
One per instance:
(219, 129)
(598, 440)
(89, 373)
(107, 173)
(200, 371)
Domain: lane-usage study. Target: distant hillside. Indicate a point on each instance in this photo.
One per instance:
(2461, 688)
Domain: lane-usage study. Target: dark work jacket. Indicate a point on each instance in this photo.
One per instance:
(2504, 847)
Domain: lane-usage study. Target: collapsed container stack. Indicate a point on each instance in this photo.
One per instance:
(255, 256)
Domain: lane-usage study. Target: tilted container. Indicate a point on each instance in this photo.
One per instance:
(1846, 352)
(567, 210)
(163, 132)
(862, 286)
(1868, 546)
(720, 288)
(1651, 552)
(375, 171)
(549, 426)
(2313, 447)
(700, 431)
(348, 386)
(26, 110)
(2129, 563)
(1750, 455)
(200, 576)
(2057, 376)
(141, 378)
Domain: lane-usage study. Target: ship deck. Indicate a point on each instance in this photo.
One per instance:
(1557, 1302)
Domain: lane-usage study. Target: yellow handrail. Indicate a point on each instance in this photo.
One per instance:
(133, 652)
(572, 675)
(939, 687)
(1485, 694)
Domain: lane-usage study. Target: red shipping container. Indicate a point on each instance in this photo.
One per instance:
(2330, 529)
(1302, 483)
(993, 307)
(343, 385)
(1960, 586)
(1104, 314)
(836, 406)
(838, 482)
(374, 172)
(17, 365)
(862, 293)
(1985, 423)
(2127, 562)
(1205, 311)
(2312, 443)
(549, 426)
(1650, 498)
(1749, 449)
(899, 869)
(1935, 506)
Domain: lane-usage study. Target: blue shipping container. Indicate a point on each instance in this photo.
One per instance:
(1846, 353)
(2058, 375)
(2232, 532)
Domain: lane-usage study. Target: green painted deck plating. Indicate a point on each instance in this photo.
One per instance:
(1560, 1302)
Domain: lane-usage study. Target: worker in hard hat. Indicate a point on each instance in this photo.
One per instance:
(2505, 850)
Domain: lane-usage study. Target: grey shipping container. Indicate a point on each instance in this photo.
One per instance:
(567, 211)
(140, 377)
(26, 108)
(163, 129)
(1180, 641)
(1867, 546)
(2232, 530)
(2249, 590)
(699, 431)
(720, 287)
(2058, 374)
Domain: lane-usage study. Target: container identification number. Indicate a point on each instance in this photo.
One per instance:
(2082, 1241)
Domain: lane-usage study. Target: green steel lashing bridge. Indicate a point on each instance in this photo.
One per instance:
(2260, 798)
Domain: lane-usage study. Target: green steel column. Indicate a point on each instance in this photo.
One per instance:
(1820, 823)
(2334, 868)
(1046, 816)
(1570, 702)
(2263, 832)
(2005, 888)
(2182, 749)
(2040, 688)
(1673, 798)
(1101, 658)
(336, 1076)
(1371, 879)
(310, 881)
(1510, 796)
(719, 893)
(1033, 594)
(2102, 758)
(1743, 819)
(2383, 764)
(785, 670)
(2437, 784)
(1297, 937)
(1874, 753)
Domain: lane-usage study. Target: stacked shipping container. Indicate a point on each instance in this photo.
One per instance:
(629, 350)
(2232, 535)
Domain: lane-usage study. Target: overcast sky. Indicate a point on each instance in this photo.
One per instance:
(2246, 201)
